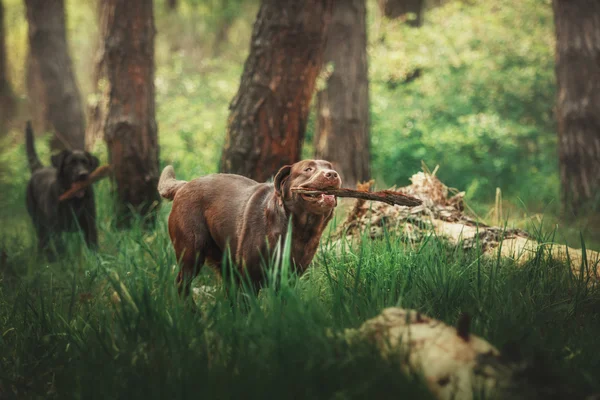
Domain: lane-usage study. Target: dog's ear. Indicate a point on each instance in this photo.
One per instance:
(59, 159)
(93, 160)
(280, 179)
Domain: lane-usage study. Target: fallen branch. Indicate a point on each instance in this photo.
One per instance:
(99, 173)
(385, 196)
(444, 215)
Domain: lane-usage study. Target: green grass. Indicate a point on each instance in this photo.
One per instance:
(62, 335)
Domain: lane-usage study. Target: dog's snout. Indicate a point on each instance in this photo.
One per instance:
(82, 176)
(330, 174)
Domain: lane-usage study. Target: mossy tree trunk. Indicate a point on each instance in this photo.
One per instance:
(98, 102)
(50, 61)
(7, 100)
(342, 131)
(130, 127)
(393, 9)
(269, 113)
(578, 109)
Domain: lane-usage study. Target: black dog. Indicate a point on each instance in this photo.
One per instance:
(49, 215)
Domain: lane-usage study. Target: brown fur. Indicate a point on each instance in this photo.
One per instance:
(220, 211)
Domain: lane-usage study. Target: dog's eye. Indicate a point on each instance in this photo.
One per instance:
(308, 169)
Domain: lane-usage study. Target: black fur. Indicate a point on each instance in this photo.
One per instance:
(49, 216)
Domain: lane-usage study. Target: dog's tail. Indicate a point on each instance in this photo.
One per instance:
(168, 186)
(32, 157)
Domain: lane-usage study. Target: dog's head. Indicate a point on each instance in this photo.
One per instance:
(317, 174)
(74, 166)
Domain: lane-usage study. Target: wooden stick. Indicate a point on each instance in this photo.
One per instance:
(386, 196)
(99, 173)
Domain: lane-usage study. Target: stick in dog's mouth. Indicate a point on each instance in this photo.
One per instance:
(77, 189)
(385, 196)
(314, 193)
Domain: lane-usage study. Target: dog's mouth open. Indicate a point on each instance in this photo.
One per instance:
(318, 198)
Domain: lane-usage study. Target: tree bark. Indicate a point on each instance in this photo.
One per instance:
(36, 96)
(96, 108)
(578, 109)
(393, 9)
(342, 131)
(7, 100)
(269, 113)
(130, 128)
(49, 52)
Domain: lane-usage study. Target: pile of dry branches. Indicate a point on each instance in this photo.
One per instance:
(442, 212)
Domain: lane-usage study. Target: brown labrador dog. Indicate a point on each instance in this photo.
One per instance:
(218, 211)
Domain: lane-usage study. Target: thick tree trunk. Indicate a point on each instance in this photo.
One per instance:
(269, 113)
(393, 9)
(4, 85)
(130, 129)
(7, 100)
(342, 134)
(36, 96)
(49, 50)
(96, 107)
(578, 109)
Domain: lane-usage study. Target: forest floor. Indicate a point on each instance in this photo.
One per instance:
(109, 324)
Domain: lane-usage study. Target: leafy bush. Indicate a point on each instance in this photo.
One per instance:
(481, 106)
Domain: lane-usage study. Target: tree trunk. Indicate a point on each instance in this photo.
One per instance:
(49, 51)
(342, 131)
(393, 9)
(36, 96)
(130, 129)
(7, 100)
(96, 107)
(269, 113)
(578, 109)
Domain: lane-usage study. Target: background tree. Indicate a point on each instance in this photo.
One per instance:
(228, 12)
(578, 110)
(393, 9)
(342, 132)
(130, 128)
(269, 112)
(49, 55)
(7, 100)
(97, 104)
(171, 5)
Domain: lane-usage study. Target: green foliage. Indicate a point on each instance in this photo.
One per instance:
(482, 105)
(192, 115)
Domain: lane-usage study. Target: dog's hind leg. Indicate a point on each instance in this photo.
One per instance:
(191, 262)
(191, 254)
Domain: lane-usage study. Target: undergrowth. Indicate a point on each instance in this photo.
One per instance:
(110, 324)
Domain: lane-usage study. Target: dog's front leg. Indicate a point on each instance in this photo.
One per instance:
(90, 232)
(43, 236)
